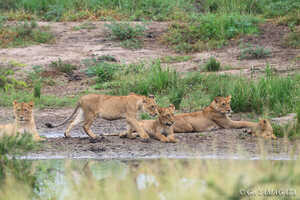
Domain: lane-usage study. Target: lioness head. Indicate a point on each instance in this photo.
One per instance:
(222, 105)
(150, 106)
(23, 111)
(166, 115)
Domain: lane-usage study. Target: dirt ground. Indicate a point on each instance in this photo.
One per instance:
(73, 46)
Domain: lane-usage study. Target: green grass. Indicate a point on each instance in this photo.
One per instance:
(7, 81)
(7, 98)
(104, 71)
(24, 34)
(53, 10)
(209, 31)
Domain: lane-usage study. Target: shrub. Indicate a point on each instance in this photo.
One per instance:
(103, 70)
(251, 52)
(63, 67)
(212, 65)
(129, 35)
(125, 31)
(7, 81)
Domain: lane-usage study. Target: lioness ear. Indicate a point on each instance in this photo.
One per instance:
(160, 110)
(151, 96)
(15, 102)
(172, 107)
(217, 99)
(228, 98)
(31, 103)
(264, 121)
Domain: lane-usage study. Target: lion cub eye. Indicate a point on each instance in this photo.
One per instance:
(223, 104)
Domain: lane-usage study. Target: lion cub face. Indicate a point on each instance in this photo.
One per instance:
(150, 106)
(265, 129)
(166, 115)
(222, 105)
(23, 111)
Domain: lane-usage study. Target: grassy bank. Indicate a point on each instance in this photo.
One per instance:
(164, 179)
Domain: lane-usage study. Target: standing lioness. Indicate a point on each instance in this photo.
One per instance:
(110, 108)
(24, 121)
(212, 116)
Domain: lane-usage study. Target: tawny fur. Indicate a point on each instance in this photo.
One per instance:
(24, 121)
(110, 108)
(211, 117)
(157, 128)
(263, 129)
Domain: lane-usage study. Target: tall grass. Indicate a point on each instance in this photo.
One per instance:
(275, 94)
(78, 9)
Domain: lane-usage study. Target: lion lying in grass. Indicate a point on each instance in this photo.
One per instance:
(24, 121)
(157, 128)
(211, 117)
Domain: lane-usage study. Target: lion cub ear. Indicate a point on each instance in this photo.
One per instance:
(31, 104)
(172, 107)
(15, 102)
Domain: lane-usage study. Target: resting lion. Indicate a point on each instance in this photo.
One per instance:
(110, 108)
(211, 117)
(263, 129)
(156, 128)
(24, 121)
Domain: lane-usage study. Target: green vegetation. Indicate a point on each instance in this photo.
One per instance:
(23, 34)
(159, 179)
(208, 31)
(248, 51)
(7, 81)
(212, 65)
(103, 70)
(129, 35)
(12, 167)
(72, 10)
(63, 67)
(44, 101)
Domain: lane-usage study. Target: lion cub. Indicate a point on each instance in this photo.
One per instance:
(157, 128)
(263, 129)
(24, 121)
